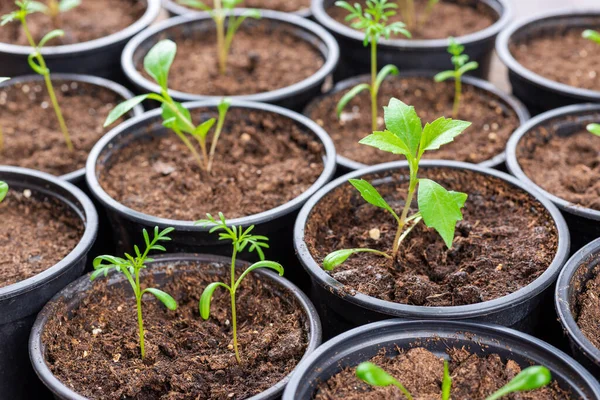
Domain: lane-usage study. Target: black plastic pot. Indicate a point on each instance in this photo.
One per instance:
(409, 54)
(20, 302)
(538, 93)
(75, 293)
(99, 57)
(341, 310)
(276, 223)
(361, 344)
(292, 97)
(571, 282)
(584, 223)
(345, 165)
(174, 9)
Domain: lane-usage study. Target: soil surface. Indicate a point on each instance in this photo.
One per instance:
(277, 5)
(420, 371)
(473, 18)
(32, 134)
(588, 309)
(576, 64)
(261, 59)
(506, 240)
(37, 232)
(90, 20)
(493, 120)
(566, 166)
(95, 348)
(263, 160)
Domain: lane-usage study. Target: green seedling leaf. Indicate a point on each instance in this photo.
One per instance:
(471, 66)
(66, 5)
(387, 141)
(352, 93)
(376, 376)
(444, 76)
(158, 61)
(164, 298)
(179, 121)
(446, 382)
(3, 190)
(594, 129)
(203, 129)
(530, 378)
(440, 208)
(371, 195)
(194, 4)
(206, 298)
(592, 35)
(51, 35)
(384, 73)
(123, 109)
(402, 120)
(337, 258)
(440, 132)
(261, 264)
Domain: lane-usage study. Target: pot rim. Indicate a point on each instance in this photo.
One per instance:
(503, 7)
(176, 9)
(511, 101)
(514, 299)
(503, 51)
(153, 8)
(87, 215)
(36, 347)
(188, 226)
(515, 168)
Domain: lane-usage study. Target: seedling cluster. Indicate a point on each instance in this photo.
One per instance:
(530, 378)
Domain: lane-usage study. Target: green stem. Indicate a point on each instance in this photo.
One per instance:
(233, 310)
(220, 21)
(403, 390)
(213, 146)
(411, 192)
(373, 83)
(457, 96)
(140, 324)
(190, 146)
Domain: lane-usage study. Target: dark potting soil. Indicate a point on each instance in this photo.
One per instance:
(493, 120)
(588, 308)
(420, 372)
(37, 232)
(506, 240)
(277, 5)
(94, 348)
(261, 59)
(32, 134)
(442, 22)
(576, 64)
(263, 160)
(90, 20)
(566, 166)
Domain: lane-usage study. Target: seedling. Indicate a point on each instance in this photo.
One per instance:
(131, 266)
(157, 64)
(594, 36)
(2, 134)
(531, 378)
(373, 22)
(3, 190)
(53, 8)
(222, 10)
(36, 60)
(438, 208)
(410, 15)
(594, 129)
(240, 240)
(461, 66)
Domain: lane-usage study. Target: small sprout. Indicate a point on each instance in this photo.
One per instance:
(240, 240)
(594, 36)
(130, 267)
(157, 64)
(446, 382)
(438, 208)
(373, 22)
(54, 8)
(3, 190)
(594, 129)
(36, 60)
(409, 13)
(219, 14)
(531, 378)
(461, 66)
(375, 376)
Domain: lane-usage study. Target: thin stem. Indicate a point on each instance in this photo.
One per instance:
(403, 217)
(220, 21)
(233, 310)
(373, 83)
(457, 96)
(140, 325)
(402, 389)
(190, 146)
(213, 145)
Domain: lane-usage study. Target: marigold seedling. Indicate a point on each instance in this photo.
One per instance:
(53, 8)
(36, 60)
(240, 240)
(438, 208)
(157, 64)
(409, 13)
(373, 22)
(594, 129)
(220, 13)
(131, 266)
(3, 190)
(461, 66)
(592, 35)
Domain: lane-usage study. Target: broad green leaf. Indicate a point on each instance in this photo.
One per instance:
(440, 208)
(66, 5)
(123, 109)
(592, 35)
(51, 35)
(376, 376)
(444, 76)
(183, 121)
(385, 71)
(164, 298)
(403, 121)
(531, 378)
(352, 93)
(338, 257)
(440, 132)
(446, 382)
(206, 298)
(387, 141)
(594, 129)
(158, 61)
(194, 4)
(371, 195)
(3, 190)
(203, 129)
(473, 65)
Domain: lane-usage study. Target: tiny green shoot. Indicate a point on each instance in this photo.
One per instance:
(221, 11)
(531, 378)
(240, 239)
(373, 22)
(53, 8)
(409, 13)
(594, 129)
(438, 208)
(3, 190)
(461, 66)
(157, 64)
(131, 266)
(36, 60)
(592, 35)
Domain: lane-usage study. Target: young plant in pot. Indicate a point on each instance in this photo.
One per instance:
(346, 115)
(298, 7)
(241, 342)
(439, 360)
(275, 160)
(475, 23)
(370, 263)
(90, 45)
(48, 228)
(271, 57)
